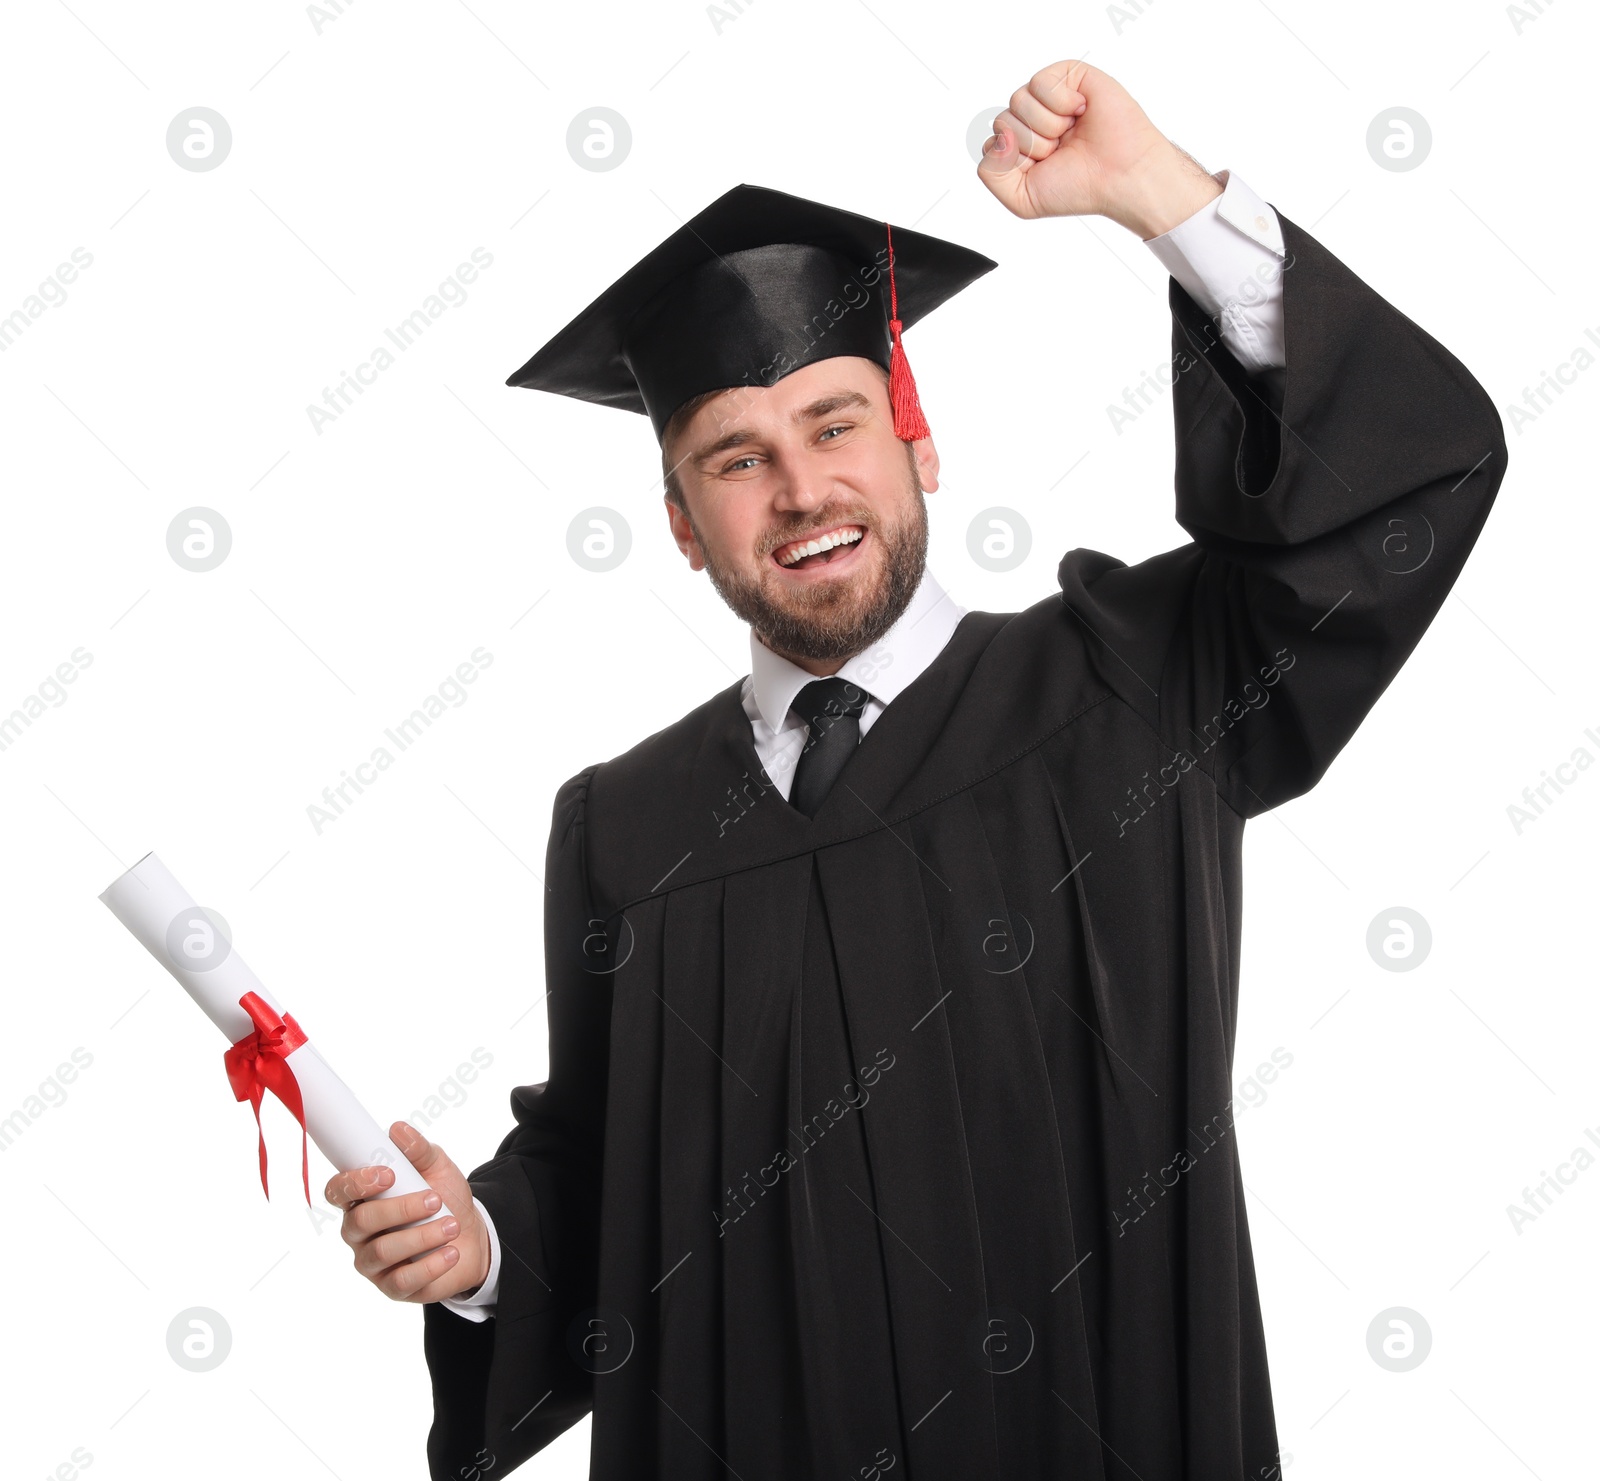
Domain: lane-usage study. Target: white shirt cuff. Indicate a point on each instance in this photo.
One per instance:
(1229, 258)
(479, 1306)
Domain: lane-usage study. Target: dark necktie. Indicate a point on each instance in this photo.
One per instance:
(832, 708)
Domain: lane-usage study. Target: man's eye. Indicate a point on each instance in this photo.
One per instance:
(735, 464)
(839, 427)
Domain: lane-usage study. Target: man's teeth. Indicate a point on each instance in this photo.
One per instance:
(792, 553)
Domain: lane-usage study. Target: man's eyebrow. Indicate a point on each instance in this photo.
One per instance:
(824, 406)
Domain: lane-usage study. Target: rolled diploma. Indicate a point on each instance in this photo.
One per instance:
(147, 899)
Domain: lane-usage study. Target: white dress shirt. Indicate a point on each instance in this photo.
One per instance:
(1229, 258)
(883, 670)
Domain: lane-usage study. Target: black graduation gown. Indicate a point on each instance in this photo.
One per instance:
(896, 1141)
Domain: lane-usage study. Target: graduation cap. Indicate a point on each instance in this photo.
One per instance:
(757, 285)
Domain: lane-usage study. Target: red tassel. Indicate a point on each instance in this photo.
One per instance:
(909, 423)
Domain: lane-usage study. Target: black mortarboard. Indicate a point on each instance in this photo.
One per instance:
(755, 286)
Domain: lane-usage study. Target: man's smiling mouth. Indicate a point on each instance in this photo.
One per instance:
(818, 549)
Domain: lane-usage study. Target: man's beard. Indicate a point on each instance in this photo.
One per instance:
(825, 620)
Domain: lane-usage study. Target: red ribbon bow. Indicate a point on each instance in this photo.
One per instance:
(255, 1065)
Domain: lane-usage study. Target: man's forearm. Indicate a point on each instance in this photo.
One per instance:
(1166, 188)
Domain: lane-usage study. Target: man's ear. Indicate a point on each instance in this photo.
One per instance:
(683, 534)
(927, 464)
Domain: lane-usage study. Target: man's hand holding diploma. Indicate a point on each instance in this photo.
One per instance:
(448, 1257)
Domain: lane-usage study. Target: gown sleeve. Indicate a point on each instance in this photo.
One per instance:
(506, 1387)
(1330, 504)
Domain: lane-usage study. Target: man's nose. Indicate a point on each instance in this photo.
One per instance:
(798, 484)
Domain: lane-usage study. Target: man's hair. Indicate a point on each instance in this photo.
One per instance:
(676, 423)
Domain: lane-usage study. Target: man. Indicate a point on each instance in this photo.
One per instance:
(892, 990)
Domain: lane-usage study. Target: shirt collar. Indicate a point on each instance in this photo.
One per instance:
(883, 670)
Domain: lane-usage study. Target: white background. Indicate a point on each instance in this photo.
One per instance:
(372, 152)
